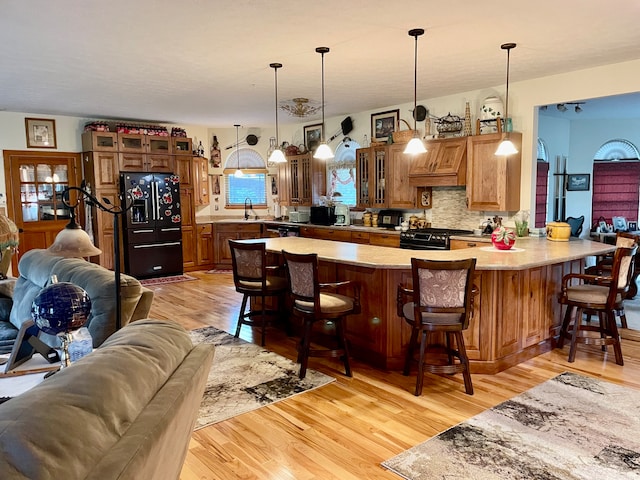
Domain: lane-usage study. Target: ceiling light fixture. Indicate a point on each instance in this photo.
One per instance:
(415, 145)
(578, 109)
(276, 156)
(507, 147)
(299, 107)
(561, 107)
(323, 152)
(238, 173)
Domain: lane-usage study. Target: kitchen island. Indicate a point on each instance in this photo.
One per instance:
(516, 314)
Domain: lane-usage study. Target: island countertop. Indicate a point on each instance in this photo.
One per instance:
(527, 253)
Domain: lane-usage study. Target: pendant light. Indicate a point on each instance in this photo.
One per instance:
(276, 155)
(238, 173)
(507, 147)
(323, 152)
(415, 145)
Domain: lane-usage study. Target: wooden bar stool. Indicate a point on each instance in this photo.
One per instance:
(319, 302)
(442, 303)
(599, 294)
(251, 278)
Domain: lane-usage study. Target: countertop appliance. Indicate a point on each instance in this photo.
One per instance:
(389, 218)
(297, 216)
(429, 238)
(322, 215)
(152, 232)
(342, 215)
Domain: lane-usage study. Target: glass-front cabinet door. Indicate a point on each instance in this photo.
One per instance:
(41, 187)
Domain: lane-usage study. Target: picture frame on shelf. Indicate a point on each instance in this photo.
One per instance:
(619, 224)
(578, 182)
(632, 226)
(41, 132)
(312, 136)
(384, 124)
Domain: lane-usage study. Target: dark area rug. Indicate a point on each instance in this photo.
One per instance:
(170, 279)
(568, 428)
(245, 376)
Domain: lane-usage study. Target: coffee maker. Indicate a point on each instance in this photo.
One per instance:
(342, 214)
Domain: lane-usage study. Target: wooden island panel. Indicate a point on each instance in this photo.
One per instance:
(516, 314)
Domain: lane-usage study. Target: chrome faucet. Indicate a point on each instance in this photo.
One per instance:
(246, 212)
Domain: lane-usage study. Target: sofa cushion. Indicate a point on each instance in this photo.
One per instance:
(125, 411)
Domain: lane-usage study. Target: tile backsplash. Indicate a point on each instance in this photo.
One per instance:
(450, 209)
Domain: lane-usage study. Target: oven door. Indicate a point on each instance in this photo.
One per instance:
(411, 246)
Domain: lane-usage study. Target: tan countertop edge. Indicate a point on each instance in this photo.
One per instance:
(535, 252)
(356, 228)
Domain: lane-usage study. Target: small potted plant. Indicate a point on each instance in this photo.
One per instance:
(503, 238)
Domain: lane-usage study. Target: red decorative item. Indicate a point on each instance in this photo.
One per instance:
(503, 238)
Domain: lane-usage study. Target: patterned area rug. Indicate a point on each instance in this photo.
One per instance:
(569, 427)
(220, 270)
(163, 280)
(245, 376)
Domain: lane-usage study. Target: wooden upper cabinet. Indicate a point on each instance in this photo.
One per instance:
(181, 146)
(100, 142)
(444, 164)
(493, 182)
(201, 177)
(136, 143)
(372, 167)
(300, 179)
(284, 183)
(185, 169)
(101, 169)
(400, 194)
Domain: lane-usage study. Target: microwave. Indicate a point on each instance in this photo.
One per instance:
(322, 216)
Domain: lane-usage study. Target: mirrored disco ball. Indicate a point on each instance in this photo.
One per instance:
(60, 308)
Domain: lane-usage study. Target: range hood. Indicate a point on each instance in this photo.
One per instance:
(444, 164)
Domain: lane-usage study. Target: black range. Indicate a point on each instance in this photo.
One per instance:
(429, 238)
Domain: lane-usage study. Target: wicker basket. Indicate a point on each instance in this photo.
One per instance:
(405, 135)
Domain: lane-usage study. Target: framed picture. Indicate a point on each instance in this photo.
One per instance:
(619, 224)
(633, 226)
(424, 197)
(41, 132)
(579, 182)
(384, 124)
(312, 136)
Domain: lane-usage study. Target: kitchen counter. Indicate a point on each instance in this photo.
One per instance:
(529, 252)
(516, 314)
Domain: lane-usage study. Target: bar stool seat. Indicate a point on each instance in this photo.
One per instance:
(252, 278)
(583, 293)
(316, 302)
(441, 305)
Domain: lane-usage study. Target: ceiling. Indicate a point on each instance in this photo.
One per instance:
(198, 62)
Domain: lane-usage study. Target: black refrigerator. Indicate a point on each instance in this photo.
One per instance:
(152, 235)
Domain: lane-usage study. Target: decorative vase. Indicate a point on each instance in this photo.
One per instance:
(503, 238)
(467, 120)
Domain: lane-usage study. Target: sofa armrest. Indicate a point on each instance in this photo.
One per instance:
(7, 286)
(144, 305)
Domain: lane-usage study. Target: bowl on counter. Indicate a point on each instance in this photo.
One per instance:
(398, 228)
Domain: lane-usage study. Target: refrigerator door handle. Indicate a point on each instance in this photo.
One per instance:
(154, 200)
(175, 229)
(152, 245)
(142, 231)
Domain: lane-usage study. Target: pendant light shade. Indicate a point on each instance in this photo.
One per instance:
(238, 173)
(323, 152)
(73, 241)
(415, 145)
(276, 156)
(507, 147)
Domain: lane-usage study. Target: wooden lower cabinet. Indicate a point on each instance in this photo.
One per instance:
(223, 232)
(345, 234)
(458, 244)
(204, 245)
(384, 240)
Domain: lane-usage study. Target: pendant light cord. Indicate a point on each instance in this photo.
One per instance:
(507, 47)
(416, 32)
(237, 145)
(322, 51)
(275, 67)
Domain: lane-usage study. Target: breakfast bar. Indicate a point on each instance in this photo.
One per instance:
(516, 314)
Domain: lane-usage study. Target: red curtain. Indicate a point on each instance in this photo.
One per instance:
(615, 190)
(542, 179)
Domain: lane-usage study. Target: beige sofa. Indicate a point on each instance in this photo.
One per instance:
(36, 268)
(125, 412)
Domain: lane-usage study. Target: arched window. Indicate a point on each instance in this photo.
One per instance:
(252, 184)
(616, 179)
(341, 171)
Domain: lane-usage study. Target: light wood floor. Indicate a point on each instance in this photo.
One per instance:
(345, 429)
